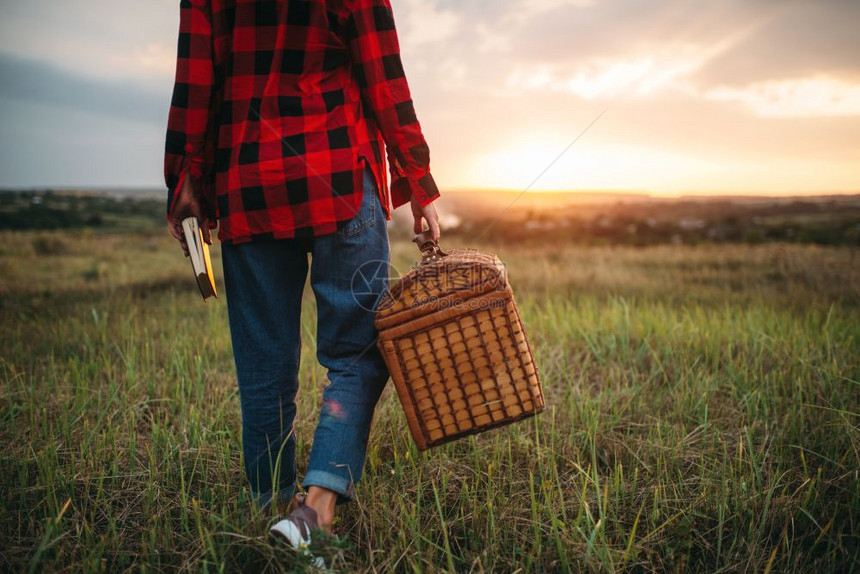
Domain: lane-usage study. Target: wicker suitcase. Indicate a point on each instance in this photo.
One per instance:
(451, 335)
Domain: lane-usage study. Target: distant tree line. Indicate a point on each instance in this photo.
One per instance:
(680, 222)
(624, 227)
(45, 210)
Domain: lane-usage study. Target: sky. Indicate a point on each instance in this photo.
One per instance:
(666, 97)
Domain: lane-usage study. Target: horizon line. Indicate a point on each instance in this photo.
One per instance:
(597, 191)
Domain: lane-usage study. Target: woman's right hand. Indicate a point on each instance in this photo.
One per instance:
(428, 214)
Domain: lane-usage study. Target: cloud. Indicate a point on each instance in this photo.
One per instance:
(50, 146)
(490, 40)
(804, 97)
(527, 9)
(155, 59)
(769, 40)
(36, 81)
(99, 38)
(685, 77)
(798, 39)
(647, 72)
(612, 29)
(424, 22)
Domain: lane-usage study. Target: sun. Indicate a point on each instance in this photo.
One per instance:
(542, 164)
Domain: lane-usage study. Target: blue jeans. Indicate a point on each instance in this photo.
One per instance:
(264, 283)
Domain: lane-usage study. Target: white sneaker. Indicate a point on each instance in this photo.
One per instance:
(296, 529)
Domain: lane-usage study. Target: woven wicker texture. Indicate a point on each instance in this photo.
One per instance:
(456, 348)
(460, 275)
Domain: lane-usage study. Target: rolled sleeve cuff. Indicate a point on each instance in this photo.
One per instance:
(424, 189)
(195, 168)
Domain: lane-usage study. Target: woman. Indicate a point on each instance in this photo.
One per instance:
(277, 124)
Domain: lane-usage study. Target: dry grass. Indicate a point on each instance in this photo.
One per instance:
(703, 414)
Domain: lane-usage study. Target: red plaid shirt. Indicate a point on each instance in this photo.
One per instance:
(278, 107)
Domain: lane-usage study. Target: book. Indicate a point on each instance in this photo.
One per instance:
(199, 254)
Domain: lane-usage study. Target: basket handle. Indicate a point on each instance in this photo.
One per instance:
(430, 250)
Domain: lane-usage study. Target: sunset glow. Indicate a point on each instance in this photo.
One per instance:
(615, 167)
(595, 167)
(734, 97)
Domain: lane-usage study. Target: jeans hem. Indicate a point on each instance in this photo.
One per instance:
(264, 500)
(343, 487)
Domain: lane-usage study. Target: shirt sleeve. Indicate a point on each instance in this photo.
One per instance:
(375, 53)
(189, 141)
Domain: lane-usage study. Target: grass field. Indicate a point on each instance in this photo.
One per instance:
(703, 411)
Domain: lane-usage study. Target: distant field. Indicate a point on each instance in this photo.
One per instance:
(512, 217)
(631, 219)
(703, 410)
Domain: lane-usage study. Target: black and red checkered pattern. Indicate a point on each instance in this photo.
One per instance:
(278, 106)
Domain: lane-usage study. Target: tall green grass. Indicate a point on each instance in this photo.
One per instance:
(703, 410)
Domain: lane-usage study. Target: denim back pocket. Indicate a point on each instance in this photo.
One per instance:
(366, 215)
